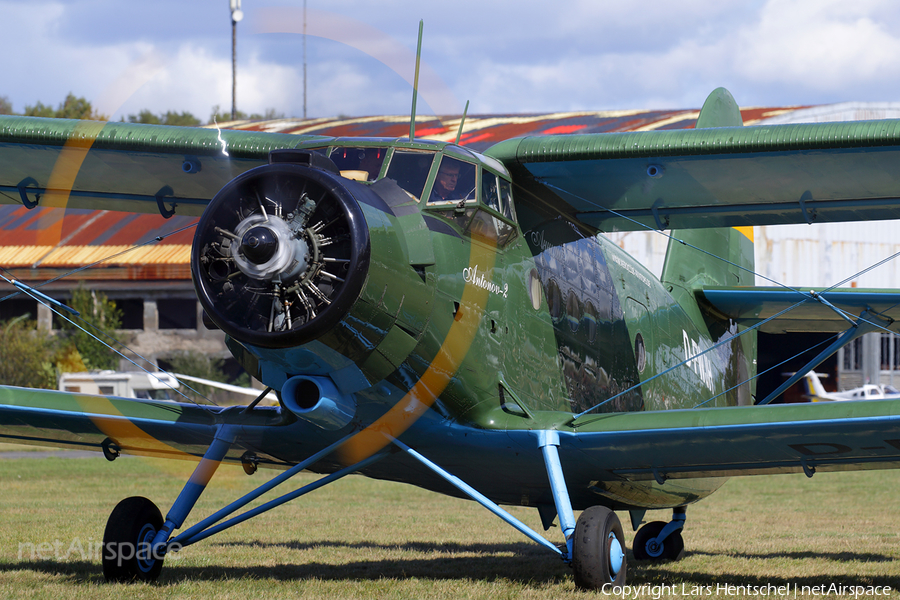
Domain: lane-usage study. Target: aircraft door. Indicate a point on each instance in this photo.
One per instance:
(640, 331)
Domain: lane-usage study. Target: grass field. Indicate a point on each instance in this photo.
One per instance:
(360, 538)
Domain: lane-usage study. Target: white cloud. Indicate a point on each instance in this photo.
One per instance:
(513, 57)
(822, 45)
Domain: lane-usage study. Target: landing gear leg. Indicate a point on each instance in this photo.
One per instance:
(595, 542)
(598, 553)
(661, 541)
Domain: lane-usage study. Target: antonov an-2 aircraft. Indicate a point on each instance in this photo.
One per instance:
(457, 321)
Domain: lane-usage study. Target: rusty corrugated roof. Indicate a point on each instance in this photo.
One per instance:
(45, 238)
(482, 131)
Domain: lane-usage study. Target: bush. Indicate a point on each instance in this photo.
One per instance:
(27, 355)
(100, 317)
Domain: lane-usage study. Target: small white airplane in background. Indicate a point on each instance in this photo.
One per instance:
(870, 391)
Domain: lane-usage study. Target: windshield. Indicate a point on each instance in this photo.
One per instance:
(359, 163)
(455, 181)
(410, 170)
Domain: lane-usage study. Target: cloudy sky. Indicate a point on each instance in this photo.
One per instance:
(505, 56)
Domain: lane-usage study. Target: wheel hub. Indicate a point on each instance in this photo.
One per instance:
(616, 556)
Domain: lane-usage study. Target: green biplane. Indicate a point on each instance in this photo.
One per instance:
(457, 321)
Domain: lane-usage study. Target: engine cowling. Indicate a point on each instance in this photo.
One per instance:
(280, 254)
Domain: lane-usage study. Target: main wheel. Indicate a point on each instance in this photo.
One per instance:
(127, 554)
(645, 546)
(598, 549)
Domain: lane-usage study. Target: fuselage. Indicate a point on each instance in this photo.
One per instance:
(480, 317)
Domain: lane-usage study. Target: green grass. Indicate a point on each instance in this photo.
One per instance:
(360, 538)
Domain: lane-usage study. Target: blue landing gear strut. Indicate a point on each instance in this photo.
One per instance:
(595, 543)
(137, 539)
(661, 541)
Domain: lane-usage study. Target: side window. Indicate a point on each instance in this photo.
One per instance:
(363, 164)
(410, 170)
(554, 300)
(490, 193)
(455, 181)
(506, 203)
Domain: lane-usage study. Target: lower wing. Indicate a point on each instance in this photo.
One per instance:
(127, 425)
(715, 442)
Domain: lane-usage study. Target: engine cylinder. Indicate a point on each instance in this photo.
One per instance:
(280, 254)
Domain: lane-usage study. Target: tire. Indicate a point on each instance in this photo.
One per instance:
(644, 547)
(126, 541)
(598, 549)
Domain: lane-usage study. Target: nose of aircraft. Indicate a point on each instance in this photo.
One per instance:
(281, 253)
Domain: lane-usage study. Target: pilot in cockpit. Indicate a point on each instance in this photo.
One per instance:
(445, 182)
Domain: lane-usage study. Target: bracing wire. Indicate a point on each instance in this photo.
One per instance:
(110, 342)
(807, 296)
(60, 314)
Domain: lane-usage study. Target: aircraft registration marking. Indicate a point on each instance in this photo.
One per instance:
(701, 365)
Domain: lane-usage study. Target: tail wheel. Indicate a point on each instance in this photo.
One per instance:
(127, 552)
(598, 549)
(646, 547)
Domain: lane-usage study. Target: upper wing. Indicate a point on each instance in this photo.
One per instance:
(708, 442)
(125, 166)
(716, 177)
(750, 306)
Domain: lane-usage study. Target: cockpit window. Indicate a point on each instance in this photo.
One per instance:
(410, 170)
(497, 194)
(490, 193)
(453, 197)
(506, 203)
(363, 164)
(455, 181)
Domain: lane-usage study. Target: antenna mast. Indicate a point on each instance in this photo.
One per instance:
(461, 122)
(412, 118)
(304, 59)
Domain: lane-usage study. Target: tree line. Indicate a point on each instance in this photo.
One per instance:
(32, 357)
(79, 108)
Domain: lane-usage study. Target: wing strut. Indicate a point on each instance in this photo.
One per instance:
(493, 506)
(548, 442)
(866, 323)
(208, 527)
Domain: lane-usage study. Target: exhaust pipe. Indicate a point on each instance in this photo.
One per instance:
(317, 400)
